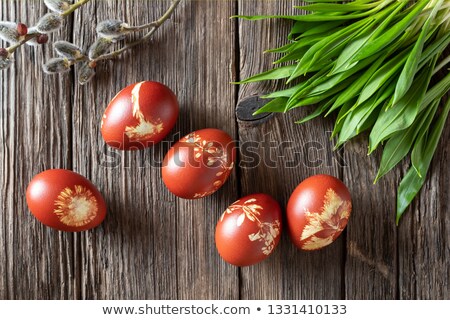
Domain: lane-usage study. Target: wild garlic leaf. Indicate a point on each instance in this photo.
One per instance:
(399, 145)
(307, 42)
(364, 125)
(418, 157)
(285, 92)
(437, 91)
(354, 89)
(383, 74)
(307, 85)
(436, 48)
(357, 120)
(384, 93)
(391, 34)
(354, 118)
(372, 61)
(412, 182)
(308, 100)
(310, 17)
(317, 112)
(409, 70)
(426, 126)
(300, 27)
(274, 74)
(325, 1)
(325, 45)
(335, 7)
(319, 29)
(329, 81)
(341, 116)
(295, 55)
(346, 59)
(282, 49)
(407, 191)
(275, 105)
(402, 114)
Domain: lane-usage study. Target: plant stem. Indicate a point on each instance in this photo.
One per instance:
(25, 39)
(155, 26)
(29, 37)
(168, 13)
(74, 7)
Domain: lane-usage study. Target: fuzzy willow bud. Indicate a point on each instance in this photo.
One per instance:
(111, 28)
(5, 62)
(58, 5)
(100, 47)
(8, 31)
(50, 23)
(57, 65)
(67, 50)
(85, 73)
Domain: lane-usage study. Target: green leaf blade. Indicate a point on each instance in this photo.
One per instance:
(401, 115)
(409, 70)
(274, 74)
(412, 182)
(275, 105)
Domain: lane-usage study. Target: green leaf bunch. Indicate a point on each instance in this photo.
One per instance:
(378, 65)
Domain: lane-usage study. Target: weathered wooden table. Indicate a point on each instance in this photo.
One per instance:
(155, 246)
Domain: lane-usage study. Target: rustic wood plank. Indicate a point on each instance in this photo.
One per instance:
(152, 245)
(424, 244)
(205, 60)
(371, 261)
(288, 273)
(35, 262)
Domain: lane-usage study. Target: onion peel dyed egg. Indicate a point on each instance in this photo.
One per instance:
(199, 164)
(249, 230)
(318, 211)
(139, 116)
(65, 200)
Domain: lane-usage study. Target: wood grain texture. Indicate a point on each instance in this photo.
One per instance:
(35, 135)
(155, 246)
(371, 259)
(423, 239)
(288, 153)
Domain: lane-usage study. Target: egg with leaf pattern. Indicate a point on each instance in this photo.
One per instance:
(139, 116)
(318, 211)
(65, 200)
(199, 164)
(249, 230)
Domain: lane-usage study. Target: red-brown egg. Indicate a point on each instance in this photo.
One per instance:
(318, 211)
(249, 230)
(199, 164)
(65, 200)
(139, 116)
